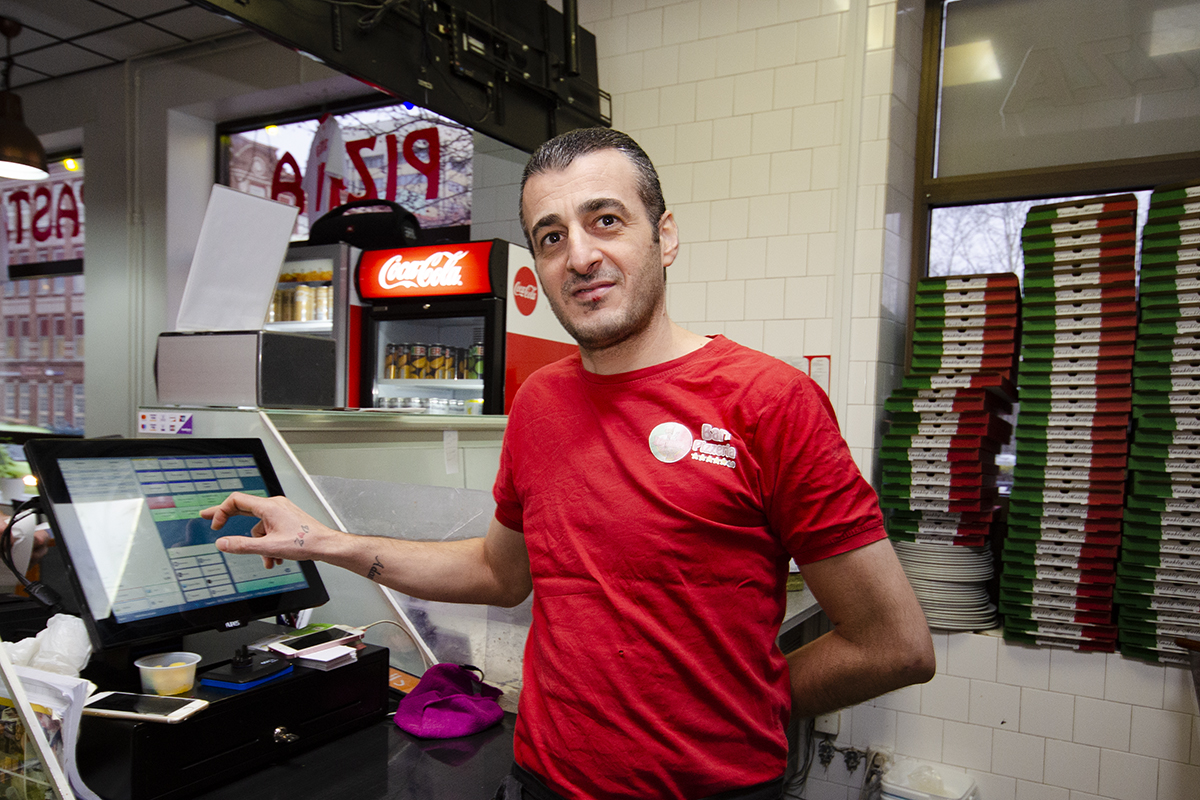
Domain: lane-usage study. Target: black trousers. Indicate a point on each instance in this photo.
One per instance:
(521, 784)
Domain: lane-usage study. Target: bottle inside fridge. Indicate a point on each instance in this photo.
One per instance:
(430, 366)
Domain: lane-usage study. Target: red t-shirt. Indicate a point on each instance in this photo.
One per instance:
(659, 509)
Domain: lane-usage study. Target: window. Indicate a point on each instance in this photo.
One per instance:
(43, 295)
(400, 153)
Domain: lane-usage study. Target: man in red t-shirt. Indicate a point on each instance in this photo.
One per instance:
(651, 491)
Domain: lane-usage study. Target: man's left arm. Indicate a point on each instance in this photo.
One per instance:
(880, 640)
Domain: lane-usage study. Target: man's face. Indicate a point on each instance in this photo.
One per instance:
(594, 249)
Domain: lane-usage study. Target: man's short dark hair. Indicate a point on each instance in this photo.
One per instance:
(558, 153)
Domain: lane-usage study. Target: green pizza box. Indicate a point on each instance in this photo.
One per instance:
(931, 505)
(1160, 561)
(1171, 302)
(1161, 258)
(1038, 613)
(1136, 602)
(900, 441)
(1137, 632)
(995, 280)
(1164, 402)
(1179, 658)
(1062, 536)
(1083, 256)
(1165, 369)
(1139, 618)
(1166, 386)
(1042, 495)
(1103, 335)
(1025, 560)
(1182, 327)
(966, 380)
(1128, 585)
(1162, 290)
(1116, 236)
(1136, 543)
(1170, 227)
(898, 491)
(1002, 365)
(1069, 460)
(1169, 270)
(1157, 575)
(1178, 241)
(1097, 322)
(1175, 195)
(1032, 518)
(1038, 599)
(933, 538)
(1073, 420)
(1040, 640)
(1074, 406)
(1033, 475)
(1077, 226)
(1168, 469)
(1049, 269)
(1033, 433)
(1154, 341)
(1171, 538)
(1170, 313)
(928, 454)
(1119, 259)
(931, 478)
(1143, 485)
(1180, 420)
(1160, 441)
(949, 402)
(993, 427)
(1115, 308)
(960, 310)
(1123, 205)
(1144, 447)
(1084, 384)
(1134, 643)
(1035, 351)
(971, 334)
(941, 348)
(1072, 446)
(909, 417)
(1005, 322)
(1073, 549)
(1016, 583)
(956, 518)
(1042, 372)
(1061, 630)
(1171, 505)
(937, 525)
(988, 296)
(1172, 355)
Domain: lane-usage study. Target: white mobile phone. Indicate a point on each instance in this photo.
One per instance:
(147, 707)
(319, 640)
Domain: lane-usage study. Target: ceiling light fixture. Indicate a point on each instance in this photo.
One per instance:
(21, 154)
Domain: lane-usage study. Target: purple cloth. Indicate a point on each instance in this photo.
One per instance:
(449, 701)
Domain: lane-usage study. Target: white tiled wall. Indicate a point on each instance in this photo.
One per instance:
(1035, 723)
(785, 134)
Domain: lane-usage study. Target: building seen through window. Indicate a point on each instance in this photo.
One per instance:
(41, 308)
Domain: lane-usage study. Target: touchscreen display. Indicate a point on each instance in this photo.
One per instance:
(147, 552)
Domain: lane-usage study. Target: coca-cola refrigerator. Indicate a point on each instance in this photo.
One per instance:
(449, 328)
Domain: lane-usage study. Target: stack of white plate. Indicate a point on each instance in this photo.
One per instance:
(950, 583)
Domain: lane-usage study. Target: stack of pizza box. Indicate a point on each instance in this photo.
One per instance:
(947, 425)
(1158, 576)
(1079, 326)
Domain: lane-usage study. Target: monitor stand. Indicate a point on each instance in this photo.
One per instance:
(238, 733)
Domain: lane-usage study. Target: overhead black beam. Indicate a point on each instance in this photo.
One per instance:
(501, 67)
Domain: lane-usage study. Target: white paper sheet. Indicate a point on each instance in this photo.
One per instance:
(236, 265)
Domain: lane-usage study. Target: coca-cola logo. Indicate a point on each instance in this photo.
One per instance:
(439, 269)
(525, 290)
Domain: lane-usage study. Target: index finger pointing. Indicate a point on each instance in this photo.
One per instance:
(236, 504)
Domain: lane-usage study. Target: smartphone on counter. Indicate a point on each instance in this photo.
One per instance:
(145, 707)
(318, 640)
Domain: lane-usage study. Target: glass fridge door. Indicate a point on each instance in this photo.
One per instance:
(432, 366)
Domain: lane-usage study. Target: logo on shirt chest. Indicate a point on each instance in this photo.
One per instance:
(673, 441)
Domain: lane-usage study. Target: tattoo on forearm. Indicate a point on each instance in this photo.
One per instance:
(376, 568)
(299, 540)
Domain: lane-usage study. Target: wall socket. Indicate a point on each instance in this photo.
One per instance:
(828, 724)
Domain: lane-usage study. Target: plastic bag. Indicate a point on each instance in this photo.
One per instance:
(62, 647)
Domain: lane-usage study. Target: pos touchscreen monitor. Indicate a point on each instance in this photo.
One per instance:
(144, 564)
